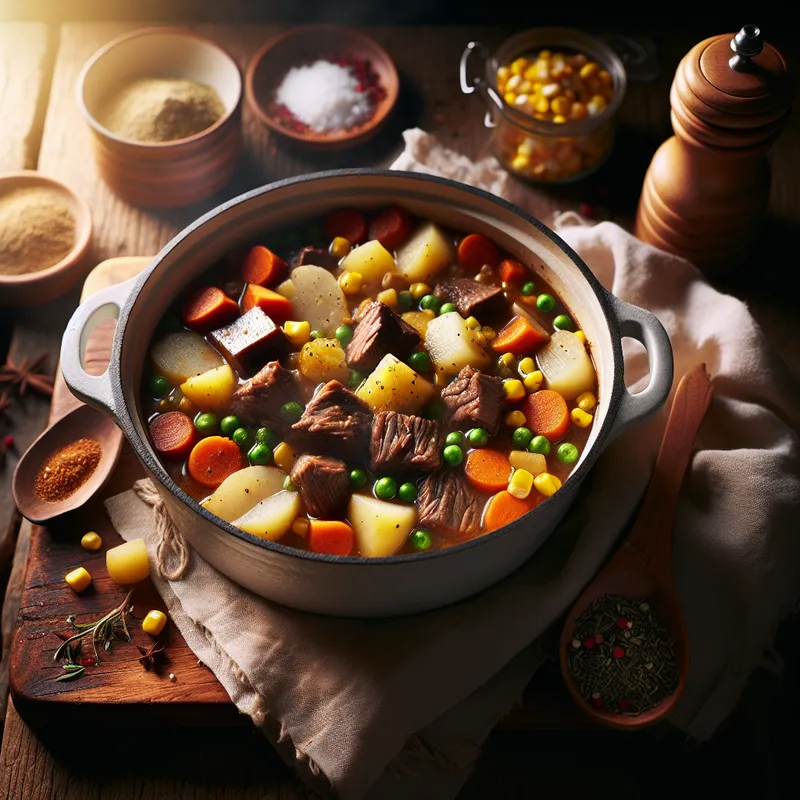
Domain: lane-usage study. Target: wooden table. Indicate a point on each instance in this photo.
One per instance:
(40, 128)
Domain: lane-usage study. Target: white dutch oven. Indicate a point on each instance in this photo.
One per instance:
(351, 586)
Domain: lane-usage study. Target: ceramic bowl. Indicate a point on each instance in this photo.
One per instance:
(270, 64)
(163, 174)
(47, 284)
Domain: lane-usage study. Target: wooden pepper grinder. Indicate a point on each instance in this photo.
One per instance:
(708, 186)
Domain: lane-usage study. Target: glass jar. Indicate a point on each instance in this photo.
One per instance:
(538, 149)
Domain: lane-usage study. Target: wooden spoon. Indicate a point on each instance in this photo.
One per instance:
(642, 567)
(84, 421)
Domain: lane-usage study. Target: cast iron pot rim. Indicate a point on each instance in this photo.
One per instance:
(154, 466)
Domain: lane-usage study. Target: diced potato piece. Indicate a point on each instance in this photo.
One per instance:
(242, 490)
(534, 463)
(427, 252)
(566, 365)
(371, 260)
(318, 299)
(381, 527)
(128, 563)
(211, 391)
(453, 346)
(394, 386)
(287, 289)
(271, 518)
(181, 355)
(323, 360)
(419, 320)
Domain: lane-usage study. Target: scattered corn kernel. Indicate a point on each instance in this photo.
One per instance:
(581, 335)
(581, 418)
(520, 163)
(541, 105)
(187, 406)
(472, 323)
(300, 526)
(507, 360)
(526, 366)
(419, 290)
(388, 297)
(489, 333)
(518, 66)
(533, 381)
(546, 484)
(515, 419)
(91, 541)
(298, 333)
(283, 455)
(351, 282)
(509, 98)
(340, 247)
(586, 401)
(78, 579)
(514, 389)
(287, 289)
(154, 622)
(535, 463)
(530, 73)
(525, 87)
(551, 90)
(128, 563)
(520, 484)
(587, 70)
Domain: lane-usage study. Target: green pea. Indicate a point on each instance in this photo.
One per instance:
(430, 302)
(243, 438)
(159, 386)
(447, 308)
(567, 453)
(229, 425)
(539, 444)
(434, 410)
(317, 334)
(206, 424)
(453, 455)
(421, 540)
(545, 302)
(264, 436)
(289, 484)
(260, 455)
(420, 361)
(358, 478)
(528, 288)
(407, 492)
(478, 437)
(456, 437)
(385, 488)
(292, 411)
(405, 301)
(563, 323)
(344, 333)
(355, 380)
(521, 438)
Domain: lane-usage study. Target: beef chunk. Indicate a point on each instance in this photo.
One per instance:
(323, 483)
(401, 443)
(470, 297)
(259, 400)
(447, 503)
(335, 421)
(379, 331)
(315, 256)
(473, 400)
(249, 341)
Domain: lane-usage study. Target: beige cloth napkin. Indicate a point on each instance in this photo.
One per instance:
(398, 708)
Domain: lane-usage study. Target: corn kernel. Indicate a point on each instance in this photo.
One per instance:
(388, 297)
(507, 360)
(541, 105)
(514, 389)
(522, 100)
(525, 148)
(91, 541)
(300, 526)
(283, 455)
(519, 66)
(419, 290)
(128, 563)
(503, 74)
(515, 419)
(581, 418)
(509, 98)
(526, 87)
(351, 282)
(561, 105)
(472, 323)
(154, 622)
(340, 247)
(588, 70)
(581, 335)
(578, 111)
(605, 77)
(520, 484)
(526, 366)
(545, 54)
(533, 381)
(530, 73)
(489, 333)
(586, 401)
(513, 83)
(187, 406)
(520, 163)
(546, 484)
(559, 119)
(78, 579)
(298, 333)
(551, 90)
(535, 463)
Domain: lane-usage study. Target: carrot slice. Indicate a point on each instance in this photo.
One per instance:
(209, 308)
(512, 271)
(263, 267)
(520, 337)
(488, 470)
(172, 434)
(332, 537)
(391, 227)
(213, 459)
(547, 414)
(475, 250)
(347, 223)
(277, 307)
(504, 508)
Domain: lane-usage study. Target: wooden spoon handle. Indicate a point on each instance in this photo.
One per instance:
(651, 535)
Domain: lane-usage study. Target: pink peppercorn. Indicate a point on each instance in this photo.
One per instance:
(624, 705)
(585, 210)
(597, 702)
(599, 638)
(86, 661)
(618, 652)
(8, 441)
(588, 642)
(622, 623)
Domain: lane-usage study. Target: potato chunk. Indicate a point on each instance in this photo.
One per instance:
(318, 299)
(371, 260)
(272, 517)
(239, 492)
(427, 252)
(381, 527)
(453, 346)
(211, 391)
(394, 386)
(323, 360)
(181, 355)
(566, 365)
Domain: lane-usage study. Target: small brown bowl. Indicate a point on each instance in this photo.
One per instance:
(270, 64)
(39, 287)
(173, 173)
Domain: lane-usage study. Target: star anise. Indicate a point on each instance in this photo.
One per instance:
(151, 655)
(5, 403)
(27, 374)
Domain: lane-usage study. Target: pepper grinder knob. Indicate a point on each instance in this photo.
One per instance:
(747, 44)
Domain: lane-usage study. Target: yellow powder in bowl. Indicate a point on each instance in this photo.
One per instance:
(161, 110)
(37, 230)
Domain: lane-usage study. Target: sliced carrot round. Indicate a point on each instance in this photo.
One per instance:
(333, 537)
(487, 469)
(547, 414)
(504, 508)
(209, 308)
(347, 223)
(475, 250)
(213, 459)
(263, 267)
(172, 434)
(391, 227)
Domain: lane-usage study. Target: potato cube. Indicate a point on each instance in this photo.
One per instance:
(371, 260)
(128, 563)
(211, 391)
(427, 252)
(394, 386)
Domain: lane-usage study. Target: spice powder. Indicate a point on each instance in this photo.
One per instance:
(67, 470)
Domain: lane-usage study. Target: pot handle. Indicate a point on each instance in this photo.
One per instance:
(470, 84)
(645, 328)
(94, 390)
